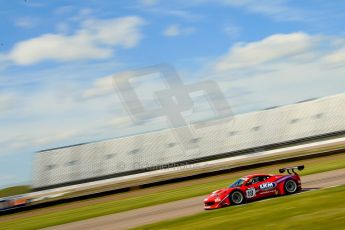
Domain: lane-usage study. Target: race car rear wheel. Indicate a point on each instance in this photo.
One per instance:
(236, 198)
(290, 186)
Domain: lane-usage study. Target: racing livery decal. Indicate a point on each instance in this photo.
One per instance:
(267, 186)
(250, 192)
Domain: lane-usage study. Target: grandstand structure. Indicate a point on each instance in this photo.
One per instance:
(242, 134)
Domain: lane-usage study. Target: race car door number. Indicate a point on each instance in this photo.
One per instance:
(250, 192)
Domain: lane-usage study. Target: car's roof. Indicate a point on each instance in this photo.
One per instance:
(258, 174)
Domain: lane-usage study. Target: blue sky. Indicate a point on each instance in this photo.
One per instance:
(57, 58)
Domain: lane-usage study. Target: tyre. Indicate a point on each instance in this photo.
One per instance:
(236, 198)
(290, 187)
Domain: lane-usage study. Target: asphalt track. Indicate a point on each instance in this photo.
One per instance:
(152, 214)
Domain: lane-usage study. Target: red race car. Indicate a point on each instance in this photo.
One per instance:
(255, 187)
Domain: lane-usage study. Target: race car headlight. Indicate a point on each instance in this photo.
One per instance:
(217, 199)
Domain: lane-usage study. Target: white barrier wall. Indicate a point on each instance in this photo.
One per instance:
(282, 124)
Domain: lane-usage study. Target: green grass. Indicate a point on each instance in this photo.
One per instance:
(15, 190)
(322, 209)
(75, 214)
(323, 166)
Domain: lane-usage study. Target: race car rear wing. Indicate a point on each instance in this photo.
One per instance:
(291, 169)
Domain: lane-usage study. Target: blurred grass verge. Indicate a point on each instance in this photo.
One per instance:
(100, 209)
(322, 209)
(15, 190)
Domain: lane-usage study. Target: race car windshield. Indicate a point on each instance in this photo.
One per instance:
(237, 183)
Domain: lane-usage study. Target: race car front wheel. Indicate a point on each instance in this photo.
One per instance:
(290, 186)
(236, 198)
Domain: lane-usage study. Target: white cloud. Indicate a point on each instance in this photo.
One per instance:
(270, 49)
(120, 121)
(101, 87)
(172, 30)
(143, 86)
(59, 136)
(176, 30)
(59, 48)
(3, 59)
(96, 39)
(25, 22)
(63, 28)
(278, 9)
(45, 118)
(282, 69)
(6, 102)
(82, 15)
(336, 58)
